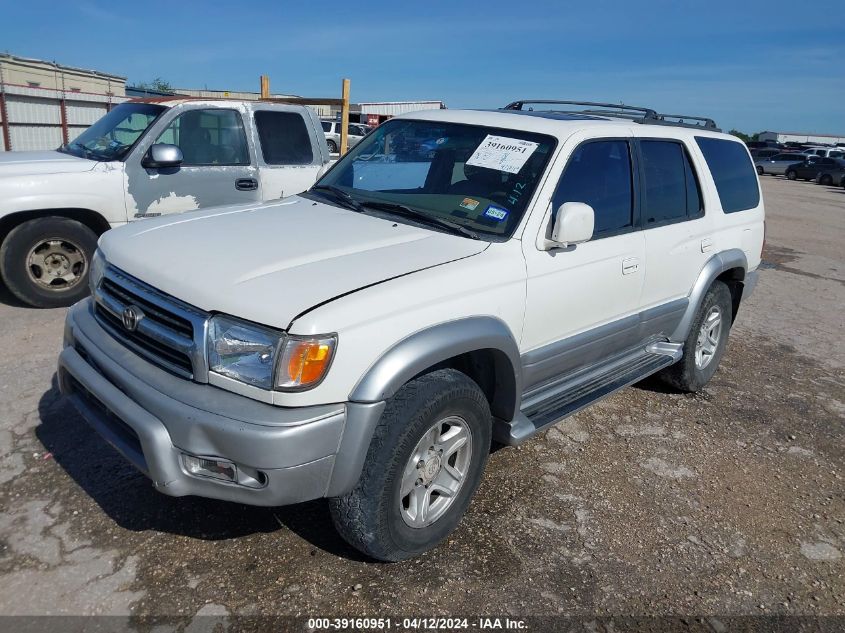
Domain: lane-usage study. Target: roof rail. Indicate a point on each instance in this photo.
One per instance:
(684, 121)
(620, 111)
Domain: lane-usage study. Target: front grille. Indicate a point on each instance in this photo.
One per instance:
(170, 332)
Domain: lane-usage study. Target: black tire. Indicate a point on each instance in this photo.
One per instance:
(332, 146)
(75, 239)
(791, 175)
(826, 179)
(759, 170)
(369, 517)
(686, 375)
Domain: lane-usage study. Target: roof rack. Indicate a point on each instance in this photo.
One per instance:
(620, 111)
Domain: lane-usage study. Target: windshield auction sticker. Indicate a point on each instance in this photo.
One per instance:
(502, 153)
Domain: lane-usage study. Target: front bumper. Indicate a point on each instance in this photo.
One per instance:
(283, 455)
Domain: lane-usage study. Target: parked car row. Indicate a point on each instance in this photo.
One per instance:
(824, 170)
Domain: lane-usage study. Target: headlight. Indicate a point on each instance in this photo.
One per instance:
(265, 357)
(96, 270)
(243, 351)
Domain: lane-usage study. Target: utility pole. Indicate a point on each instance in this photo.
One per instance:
(344, 118)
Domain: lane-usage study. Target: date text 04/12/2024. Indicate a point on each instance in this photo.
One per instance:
(417, 624)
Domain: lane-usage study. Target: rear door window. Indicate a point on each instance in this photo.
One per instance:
(599, 174)
(284, 138)
(670, 185)
(733, 173)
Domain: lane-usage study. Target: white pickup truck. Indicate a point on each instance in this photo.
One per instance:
(458, 277)
(143, 159)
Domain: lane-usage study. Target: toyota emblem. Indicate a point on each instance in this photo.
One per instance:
(130, 318)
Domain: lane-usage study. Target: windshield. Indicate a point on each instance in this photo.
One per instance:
(113, 136)
(479, 178)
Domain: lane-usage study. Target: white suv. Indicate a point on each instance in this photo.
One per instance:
(331, 130)
(458, 277)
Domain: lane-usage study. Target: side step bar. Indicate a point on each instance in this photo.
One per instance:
(542, 408)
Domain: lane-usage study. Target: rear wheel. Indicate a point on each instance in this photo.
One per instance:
(424, 464)
(791, 174)
(705, 343)
(45, 261)
(759, 170)
(826, 179)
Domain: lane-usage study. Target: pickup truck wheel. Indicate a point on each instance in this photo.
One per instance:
(45, 261)
(332, 147)
(424, 464)
(706, 342)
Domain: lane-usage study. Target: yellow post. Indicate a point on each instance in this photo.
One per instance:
(344, 118)
(265, 87)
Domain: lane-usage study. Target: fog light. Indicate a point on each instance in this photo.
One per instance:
(214, 468)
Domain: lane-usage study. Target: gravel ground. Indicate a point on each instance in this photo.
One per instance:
(731, 501)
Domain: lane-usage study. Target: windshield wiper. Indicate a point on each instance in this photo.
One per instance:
(67, 146)
(341, 196)
(425, 218)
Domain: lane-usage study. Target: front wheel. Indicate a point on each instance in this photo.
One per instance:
(45, 261)
(705, 343)
(759, 170)
(826, 179)
(791, 174)
(423, 466)
(332, 146)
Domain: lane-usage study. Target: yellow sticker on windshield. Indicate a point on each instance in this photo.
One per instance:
(469, 203)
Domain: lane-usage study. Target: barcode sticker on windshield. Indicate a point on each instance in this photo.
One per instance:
(502, 153)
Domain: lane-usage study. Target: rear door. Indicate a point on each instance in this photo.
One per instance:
(678, 233)
(218, 166)
(291, 149)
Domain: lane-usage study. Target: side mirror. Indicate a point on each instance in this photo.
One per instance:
(574, 222)
(163, 155)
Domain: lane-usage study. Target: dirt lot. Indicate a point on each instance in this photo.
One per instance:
(731, 501)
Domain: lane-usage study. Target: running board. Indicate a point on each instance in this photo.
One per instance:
(542, 408)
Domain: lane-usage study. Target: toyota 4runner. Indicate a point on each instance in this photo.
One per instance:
(458, 278)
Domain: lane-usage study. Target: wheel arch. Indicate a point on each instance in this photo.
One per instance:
(481, 347)
(92, 219)
(730, 267)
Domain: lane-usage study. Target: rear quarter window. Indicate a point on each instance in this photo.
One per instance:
(284, 138)
(733, 173)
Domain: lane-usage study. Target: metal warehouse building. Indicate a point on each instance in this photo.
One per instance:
(375, 113)
(44, 104)
(801, 137)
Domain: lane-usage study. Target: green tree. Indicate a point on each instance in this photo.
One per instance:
(742, 135)
(158, 84)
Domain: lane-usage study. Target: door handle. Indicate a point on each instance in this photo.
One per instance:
(706, 244)
(630, 265)
(246, 184)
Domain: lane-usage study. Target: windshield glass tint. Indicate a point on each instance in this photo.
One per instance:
(481, 178)
(114, 134)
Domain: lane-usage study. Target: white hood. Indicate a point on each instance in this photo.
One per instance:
(37, 163)
(272, 262)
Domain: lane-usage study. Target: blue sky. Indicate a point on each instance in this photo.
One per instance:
(751, 65)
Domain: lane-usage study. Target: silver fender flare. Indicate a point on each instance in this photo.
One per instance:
(426, 348)
(715, 266)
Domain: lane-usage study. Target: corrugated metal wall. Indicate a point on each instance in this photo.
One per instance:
(35, 116)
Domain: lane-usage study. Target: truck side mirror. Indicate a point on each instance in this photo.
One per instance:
(574, 222)
(163, 155)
